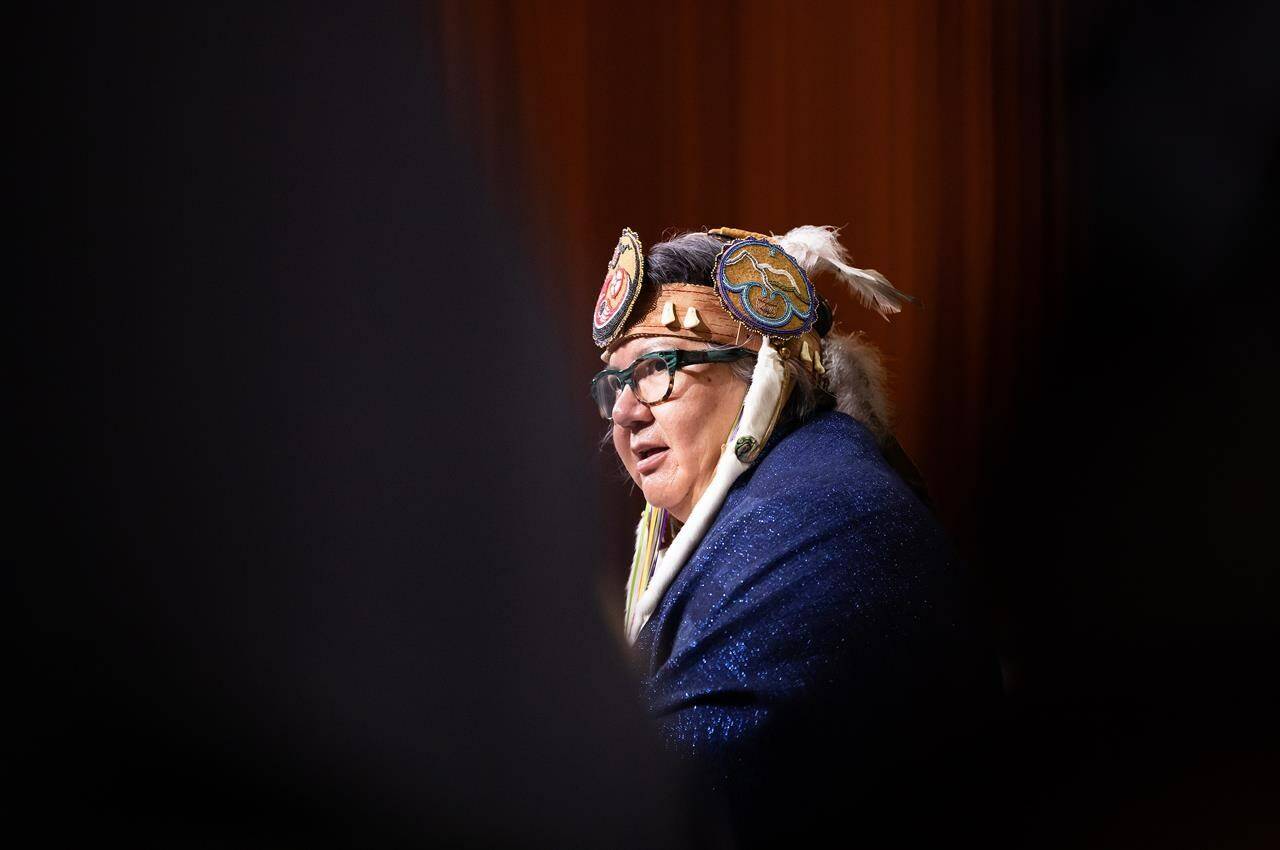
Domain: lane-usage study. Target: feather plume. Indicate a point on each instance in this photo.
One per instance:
(818, 249)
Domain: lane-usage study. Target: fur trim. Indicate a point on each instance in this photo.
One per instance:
(856, 377)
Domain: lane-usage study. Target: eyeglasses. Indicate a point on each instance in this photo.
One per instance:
(652, 376)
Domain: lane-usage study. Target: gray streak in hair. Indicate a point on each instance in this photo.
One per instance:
(687, 258)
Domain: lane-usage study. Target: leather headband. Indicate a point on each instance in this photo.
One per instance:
(685, 311)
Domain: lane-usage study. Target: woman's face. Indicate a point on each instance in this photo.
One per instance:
(671, 449)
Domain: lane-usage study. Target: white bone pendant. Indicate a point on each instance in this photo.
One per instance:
(692, 320)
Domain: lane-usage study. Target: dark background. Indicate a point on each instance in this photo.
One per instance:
(312, 545)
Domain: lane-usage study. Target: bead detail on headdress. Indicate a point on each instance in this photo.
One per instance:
(764, 288)
(621, 287)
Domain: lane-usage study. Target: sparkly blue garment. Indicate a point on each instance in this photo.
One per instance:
(821, 620)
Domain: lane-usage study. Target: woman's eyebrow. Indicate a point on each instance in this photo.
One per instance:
(638, 353)
(656, 343)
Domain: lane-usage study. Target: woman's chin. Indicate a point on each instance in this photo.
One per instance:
(659, 494)
(663, 498)
(654, 496)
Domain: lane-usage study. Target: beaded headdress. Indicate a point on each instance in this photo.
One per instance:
(761, 298)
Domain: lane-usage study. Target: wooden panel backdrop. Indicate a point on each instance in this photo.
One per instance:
(926, 128)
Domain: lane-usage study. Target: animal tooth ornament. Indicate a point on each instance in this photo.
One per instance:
(761, 298)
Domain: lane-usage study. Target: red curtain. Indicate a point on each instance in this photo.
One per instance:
(928, 129)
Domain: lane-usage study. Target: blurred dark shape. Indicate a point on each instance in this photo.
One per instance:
(297, 567)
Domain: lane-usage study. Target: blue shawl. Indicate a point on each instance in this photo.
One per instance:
(822, 617)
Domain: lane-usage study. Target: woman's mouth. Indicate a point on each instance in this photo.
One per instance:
(648, 460)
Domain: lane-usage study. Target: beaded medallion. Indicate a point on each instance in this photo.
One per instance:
(765, 288)
(620, 289)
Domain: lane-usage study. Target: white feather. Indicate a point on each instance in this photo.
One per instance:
(818, 249)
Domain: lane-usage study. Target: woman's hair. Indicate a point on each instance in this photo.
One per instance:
(808, 396)
(687, 258)
(854, 381)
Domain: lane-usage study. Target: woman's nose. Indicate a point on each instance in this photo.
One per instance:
(628, 411)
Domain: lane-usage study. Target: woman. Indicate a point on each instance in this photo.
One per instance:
(793, 599)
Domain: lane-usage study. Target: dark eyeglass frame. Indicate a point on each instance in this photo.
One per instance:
(674, 360)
